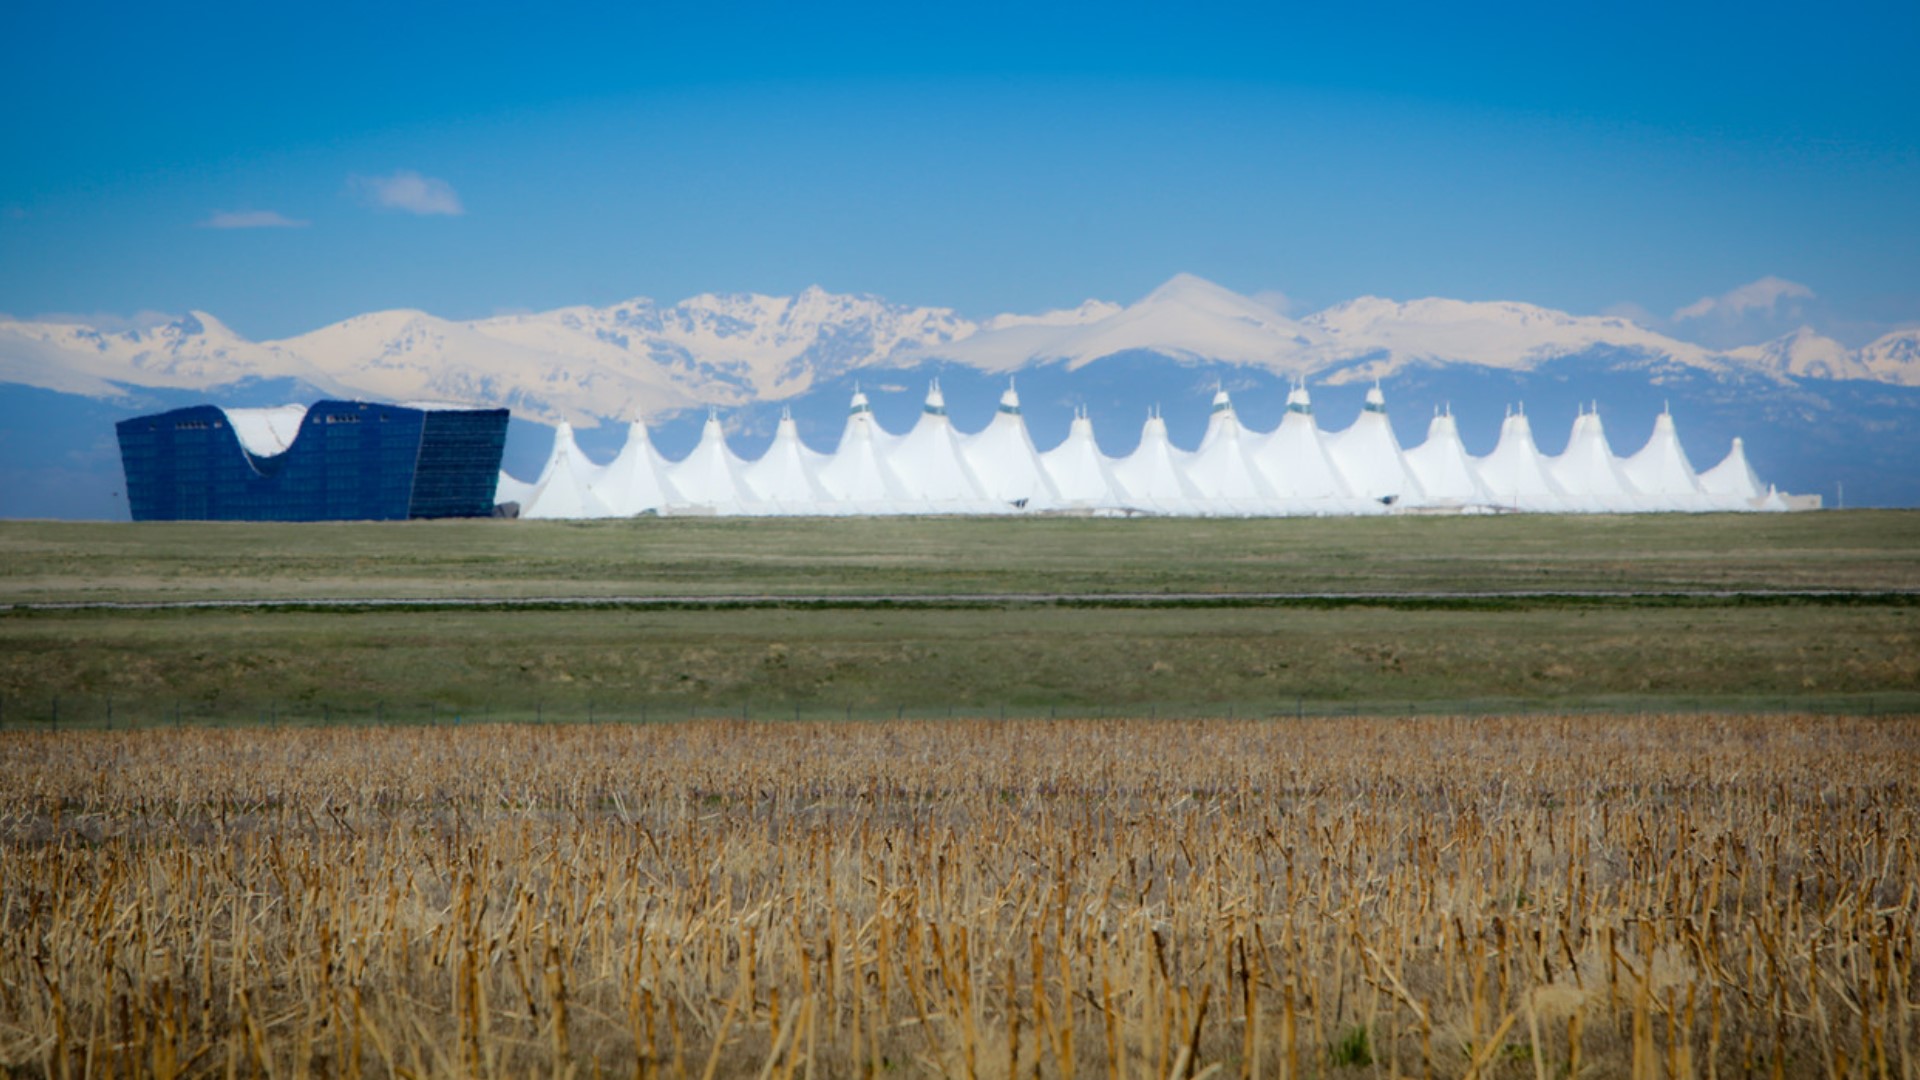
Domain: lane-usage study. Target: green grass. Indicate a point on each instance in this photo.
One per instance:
(1026, 658)
(1415, 651)
(1856, 550)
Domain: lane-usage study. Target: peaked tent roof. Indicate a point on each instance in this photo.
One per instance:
(565, 486)
(1660, 471)
(1516, 473)
(1004, 460)
(710, 480)
(931, 467)
(1221, 472)
(786, 477)
(1295, 462)
(1444, 470)
(1732, 484)
(1153, 477)
(1080, 472)
(1589, 472)
(635, 481)
(1369, 457)
(856, 474)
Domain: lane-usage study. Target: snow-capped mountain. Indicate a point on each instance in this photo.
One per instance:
(1893, 358)
(585, 364)
(1806, 354)
(579, 363)
(1188, 318)
(1833, 413)
(1505, 335)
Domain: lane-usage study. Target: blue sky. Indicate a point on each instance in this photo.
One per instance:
(468, 159)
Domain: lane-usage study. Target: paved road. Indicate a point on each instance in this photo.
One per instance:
(1127, 599)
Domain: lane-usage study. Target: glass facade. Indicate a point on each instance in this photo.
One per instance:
(351, 461)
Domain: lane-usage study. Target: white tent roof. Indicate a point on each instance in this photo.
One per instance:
(1516, 474)
(931, 467)
(709, 480)
(1298, 464)
(565, 486)
(1003, 458)
(1368, 454)
(1444, 471)
(1221, 472)
(1589, 472)
(1153, 477)
(1081, 474)
(856, 475)
(786, 477)
(1295, 469)
(1660, 471)
(635, 481)
(1733, 477)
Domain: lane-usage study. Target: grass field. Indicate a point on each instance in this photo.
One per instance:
(1646, 896)
(1854, 550)
(1433, 638)
(306, 840)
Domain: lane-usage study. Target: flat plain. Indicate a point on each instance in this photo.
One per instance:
(1525, 897)
(1801, 611)
(1862, 551)
(1490, 797)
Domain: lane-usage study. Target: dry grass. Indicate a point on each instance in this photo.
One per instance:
(1627, 897)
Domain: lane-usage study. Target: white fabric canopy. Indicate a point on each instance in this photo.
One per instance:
(565, 486)
(1153, 478)
(1444, 470)
(1222, 471)
(1079, 472)
(635, 481)
(1003, 458)
(1294, 469)
(1516, 474)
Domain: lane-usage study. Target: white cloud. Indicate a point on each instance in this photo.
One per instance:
(1763, 297)
(409, 191)
(251, 219)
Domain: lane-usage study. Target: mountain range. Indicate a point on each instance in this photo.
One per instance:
(62, 382)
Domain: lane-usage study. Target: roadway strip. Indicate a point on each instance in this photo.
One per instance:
(943, 600)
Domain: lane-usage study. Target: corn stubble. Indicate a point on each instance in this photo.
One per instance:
(1635, 896)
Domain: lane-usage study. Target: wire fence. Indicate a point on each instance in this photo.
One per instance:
(109, 712)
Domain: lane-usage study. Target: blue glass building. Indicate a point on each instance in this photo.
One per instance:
(349, 461)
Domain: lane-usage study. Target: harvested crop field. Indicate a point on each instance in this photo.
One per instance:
(1629, 896)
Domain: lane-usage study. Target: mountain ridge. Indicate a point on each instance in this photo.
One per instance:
(638, 357)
